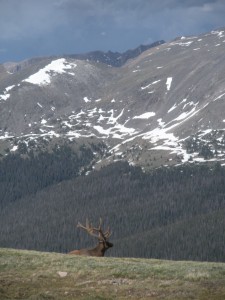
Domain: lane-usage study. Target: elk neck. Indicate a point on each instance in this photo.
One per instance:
(100, 249)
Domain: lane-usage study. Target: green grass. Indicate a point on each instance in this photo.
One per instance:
(35, 275)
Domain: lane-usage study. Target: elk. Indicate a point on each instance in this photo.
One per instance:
(103, 243)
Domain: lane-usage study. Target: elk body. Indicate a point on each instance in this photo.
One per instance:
(103, 243)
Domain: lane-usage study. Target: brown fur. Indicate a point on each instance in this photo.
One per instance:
(98, 251)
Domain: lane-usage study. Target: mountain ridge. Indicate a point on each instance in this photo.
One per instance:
(116, 59)
(158, 108)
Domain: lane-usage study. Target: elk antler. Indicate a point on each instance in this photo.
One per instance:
(102, 236)
(92, 230)
(89, 228)
(107, 234)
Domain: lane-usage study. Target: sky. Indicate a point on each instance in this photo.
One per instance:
(32, 28)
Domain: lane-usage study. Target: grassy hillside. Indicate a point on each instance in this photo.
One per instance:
(38, 275)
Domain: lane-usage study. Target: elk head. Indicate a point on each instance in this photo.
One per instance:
(97, 232)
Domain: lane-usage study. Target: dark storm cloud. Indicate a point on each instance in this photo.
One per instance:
(151, 20)
(25, 18)
(44, 27)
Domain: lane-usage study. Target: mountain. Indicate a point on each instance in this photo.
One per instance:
(115, 59)
(83, 138)
(163, 107)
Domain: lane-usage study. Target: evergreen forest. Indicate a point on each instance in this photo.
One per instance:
(170, 213)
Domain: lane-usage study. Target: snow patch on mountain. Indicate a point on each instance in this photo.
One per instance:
(182, 44)
(43, 76)
(220, 34)
(86, 100)
(184, 115)
(146, 115)
(112, 119)
(10, 88)
(219, 97)
(43, 121)
(4, 97)
(172, 108)
(118, 131)
(147, 86)
(169, 82)
(14, 148)
(5, 94)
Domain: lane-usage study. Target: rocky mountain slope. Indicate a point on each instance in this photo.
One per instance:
(164, 107)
